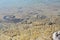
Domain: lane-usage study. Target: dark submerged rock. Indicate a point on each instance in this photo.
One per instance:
(8, 17)
(51, 23)
(11, 18)
(17, 20)
(41, 17)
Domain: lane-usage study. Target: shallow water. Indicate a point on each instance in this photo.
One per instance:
(30, 20)
(19, 7)
(18, 3)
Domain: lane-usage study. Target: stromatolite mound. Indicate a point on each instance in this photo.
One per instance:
(11, 18)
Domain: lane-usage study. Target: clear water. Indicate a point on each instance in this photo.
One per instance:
(17, 3)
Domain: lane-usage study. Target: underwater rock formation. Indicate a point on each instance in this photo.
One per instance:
(8, 17)
(11, 18)
(17, 20)
(42, 17)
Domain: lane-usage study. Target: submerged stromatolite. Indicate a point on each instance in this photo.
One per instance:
(11, 18)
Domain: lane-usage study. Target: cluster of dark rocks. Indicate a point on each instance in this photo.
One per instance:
(26, 20)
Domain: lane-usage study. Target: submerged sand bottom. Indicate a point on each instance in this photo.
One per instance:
(36, 30)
